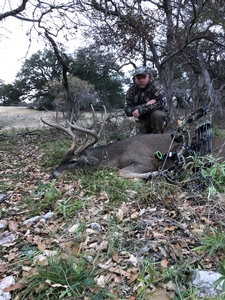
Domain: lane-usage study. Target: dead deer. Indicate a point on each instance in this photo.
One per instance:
(133, 156)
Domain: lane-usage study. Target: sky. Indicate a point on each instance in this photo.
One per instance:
(14, 45)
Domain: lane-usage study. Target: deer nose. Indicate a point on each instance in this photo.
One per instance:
(52, 175)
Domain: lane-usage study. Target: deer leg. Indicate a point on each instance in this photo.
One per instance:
(136, 171)
(131, 175)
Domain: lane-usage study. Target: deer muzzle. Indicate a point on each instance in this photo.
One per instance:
(54, 175)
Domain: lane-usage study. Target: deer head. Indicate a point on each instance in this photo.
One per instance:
(73, 158)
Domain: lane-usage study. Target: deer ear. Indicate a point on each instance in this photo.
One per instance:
(91, 160)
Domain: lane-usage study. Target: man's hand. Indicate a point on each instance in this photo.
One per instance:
(135, 113)
(150, 102)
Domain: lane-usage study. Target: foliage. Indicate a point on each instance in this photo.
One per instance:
(215, 173)
(100, 69)
(68, 207)
(147, 277)
(93, 79)
(42, 67)
(10, 94)
(81, 92)
(213, 240)
(51, 193)
(48, 192)
(221, 280)
(59, 145)
(60, 278)
(212, 171)
(113, 186)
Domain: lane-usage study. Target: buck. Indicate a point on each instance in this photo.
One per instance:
(133, 156)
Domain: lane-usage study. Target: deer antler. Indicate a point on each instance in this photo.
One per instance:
(64, 129)
(96, 135)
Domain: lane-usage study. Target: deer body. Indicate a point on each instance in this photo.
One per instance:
(133, 156)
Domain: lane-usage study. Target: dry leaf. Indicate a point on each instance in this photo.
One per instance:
(13, 226)
(206, 220)
(11, 255)
(119, 214)
(103, 195)
(101, 281)
(133, 260)
(170, 286)
(115, 256)
(102, 246)
(158, 235)
(135, 215)
(158, 294)
(13, 287)
(164, 263)
(41, 245)
(170, 228)
(3, 267)
(106, 266)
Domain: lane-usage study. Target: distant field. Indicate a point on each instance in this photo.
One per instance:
(22, 117)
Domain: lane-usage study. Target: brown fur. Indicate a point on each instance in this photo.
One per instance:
(134, 156)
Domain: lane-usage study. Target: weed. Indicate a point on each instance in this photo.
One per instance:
(147, 279)
(4, 187)
(211, 169)
(60, 278)
(213, 240)
(221, 280)
(68, 207)
(215, 174)
(188, 294)
(219, 132)
(116, 188)
(54, 151)
(49, 194)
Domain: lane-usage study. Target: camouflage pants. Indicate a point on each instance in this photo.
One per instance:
(156, 122)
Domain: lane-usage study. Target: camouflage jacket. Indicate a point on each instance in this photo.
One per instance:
(136, 99)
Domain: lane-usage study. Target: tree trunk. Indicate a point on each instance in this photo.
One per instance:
(214, 95)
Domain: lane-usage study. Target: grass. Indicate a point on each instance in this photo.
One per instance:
(60, 278)
(116, 189)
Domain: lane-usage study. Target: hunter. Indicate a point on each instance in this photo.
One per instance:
(146, 104)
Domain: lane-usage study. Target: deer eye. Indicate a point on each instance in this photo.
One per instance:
(73, 161)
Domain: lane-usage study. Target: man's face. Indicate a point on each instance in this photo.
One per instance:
(142, 80)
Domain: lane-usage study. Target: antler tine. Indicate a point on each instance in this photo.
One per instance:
(91, 132)
(64, 129)
(103, 122)
(94, 117)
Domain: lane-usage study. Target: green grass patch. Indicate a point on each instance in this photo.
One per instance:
(116, 188)
(60, 279)
(43, 198)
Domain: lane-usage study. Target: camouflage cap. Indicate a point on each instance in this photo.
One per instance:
(141, 71)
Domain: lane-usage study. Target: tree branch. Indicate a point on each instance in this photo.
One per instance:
(14, 12)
